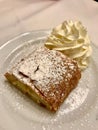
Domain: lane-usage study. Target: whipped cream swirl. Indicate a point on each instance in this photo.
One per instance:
(71, 38)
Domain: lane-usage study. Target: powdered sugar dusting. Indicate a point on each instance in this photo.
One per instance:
(47, 68)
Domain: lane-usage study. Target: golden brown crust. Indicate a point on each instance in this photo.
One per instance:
(48, 74)
(26, 89)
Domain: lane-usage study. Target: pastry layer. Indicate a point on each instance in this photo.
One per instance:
(45, 75)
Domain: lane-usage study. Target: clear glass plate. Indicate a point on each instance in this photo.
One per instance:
(78, 112)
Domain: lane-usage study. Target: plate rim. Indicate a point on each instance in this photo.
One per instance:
(27, 33)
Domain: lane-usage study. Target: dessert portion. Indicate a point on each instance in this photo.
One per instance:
(47, 76)
(71, 38)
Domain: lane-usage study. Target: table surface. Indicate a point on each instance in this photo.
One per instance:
(20, 16)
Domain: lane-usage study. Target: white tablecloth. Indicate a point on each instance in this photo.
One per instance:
(19, 16)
